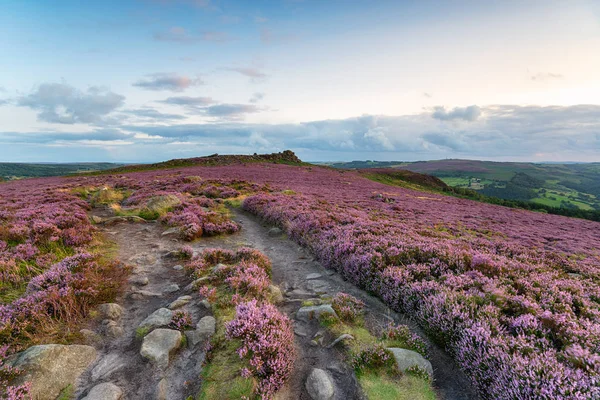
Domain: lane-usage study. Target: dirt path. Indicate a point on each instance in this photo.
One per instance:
(145, 247)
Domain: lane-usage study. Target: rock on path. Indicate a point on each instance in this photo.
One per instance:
(319, 385)
(105, 391)
(406, 359)
(159, 344)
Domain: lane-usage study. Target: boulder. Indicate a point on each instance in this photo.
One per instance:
(141, 280)
(105, 391)
(205, 328)
(171, 288)
(107, 366)
(110, 311)
(180, 302)
(159, 344)
(307, 313)
(319, 385)
(276, 295)
(406, 359)
(160, 317)
(52, 367)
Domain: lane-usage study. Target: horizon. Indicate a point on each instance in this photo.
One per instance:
(149, 80)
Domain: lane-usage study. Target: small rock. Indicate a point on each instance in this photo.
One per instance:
(52, 367)
(313, 276)
(205, 328)
(105, 391)
(196, 284)
(206, 304)
(276, 295)
(139, 294)
(406, 359)
(319, 385)
(317, 286)
(141, 280)
(178, 267)
(339, 339)
(161, 390)
(110, 311)
(107, 366)
(90, 337)
(160, 317)
(172, 232)
(273, 232)
(300, 331)
(300, 294)
(112, 329)
(180, 302)
(96, 219)
(307, 313)
(147, 259)
(171, 288)
(159, 344)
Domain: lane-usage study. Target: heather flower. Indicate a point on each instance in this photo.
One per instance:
(181, 320)
(347, 307)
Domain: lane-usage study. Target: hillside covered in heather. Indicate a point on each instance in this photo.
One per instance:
(510, 296)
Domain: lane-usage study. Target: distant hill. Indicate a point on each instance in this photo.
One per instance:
(569, 185)
(10, 171)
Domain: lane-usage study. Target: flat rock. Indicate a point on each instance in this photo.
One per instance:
(317, 286)
(105, 391)
(300, 294)
(161, 389)
(110, 311)
(159, 344)
(107, 366)
(313, 276)
(339, 339)
(52, 367)
(205, 328)
(319, 385)
(160, 317)
(180, 302)
(406, 359)
(178, 267)
(273, 232)
(307, 313)
(172, 232)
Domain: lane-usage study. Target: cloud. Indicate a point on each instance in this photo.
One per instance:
(470, 113)
(148, 113)
(255, 74)
(64, 104)
(257, 97)
(545, 76)
(163, 81)
(181, 35)
(230, 111)
(187, 101)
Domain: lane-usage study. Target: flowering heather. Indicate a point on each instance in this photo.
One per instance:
(267, 342)
(181, 320)
(347, 307)
(8, 373)
(372, 357)
(406, 339)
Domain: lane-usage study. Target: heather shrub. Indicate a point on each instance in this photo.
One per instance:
(372, 357)
(347, 307)
(7, 374)
(401, 336)
(181, 320)
(267, 340)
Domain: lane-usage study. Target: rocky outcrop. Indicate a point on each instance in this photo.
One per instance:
(52, 367)
(159, 344)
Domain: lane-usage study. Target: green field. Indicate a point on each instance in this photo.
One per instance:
(11, 171)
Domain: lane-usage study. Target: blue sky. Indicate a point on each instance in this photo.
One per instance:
(149, 80)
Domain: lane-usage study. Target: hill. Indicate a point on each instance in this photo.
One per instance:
(570, 186)
(11, 171)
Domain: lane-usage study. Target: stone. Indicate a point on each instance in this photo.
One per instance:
(90, 337)
(307, 313)
(110, 311)
(319, 385)
(313, 276)
(112, 329)
(160, 317)
(139, 294)
(317, 286)
(178, 267)
(52, 367)
(147, 259)
(180, 302)
(206, 304)
(96, 219)
(159, 344)
(276, 295)
(171, 288)
(339, 339)
(161, 389)
(172, 232)
(205, 328)
(105, 391)
(107, 366)
(140, 280)
(196, 283)
(406, 359)
(273, 232)
(300, 331)
(300, 294)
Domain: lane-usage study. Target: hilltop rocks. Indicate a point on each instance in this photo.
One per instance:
(307, 313)
(406, 359)
(205, 328)
(160, 317)
(105, 391)
(110, 311)
(159, 344)
(319, 385)
(52, 367)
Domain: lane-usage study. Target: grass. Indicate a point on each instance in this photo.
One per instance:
(382, 387)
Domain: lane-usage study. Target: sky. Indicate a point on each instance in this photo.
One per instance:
(332, 80)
